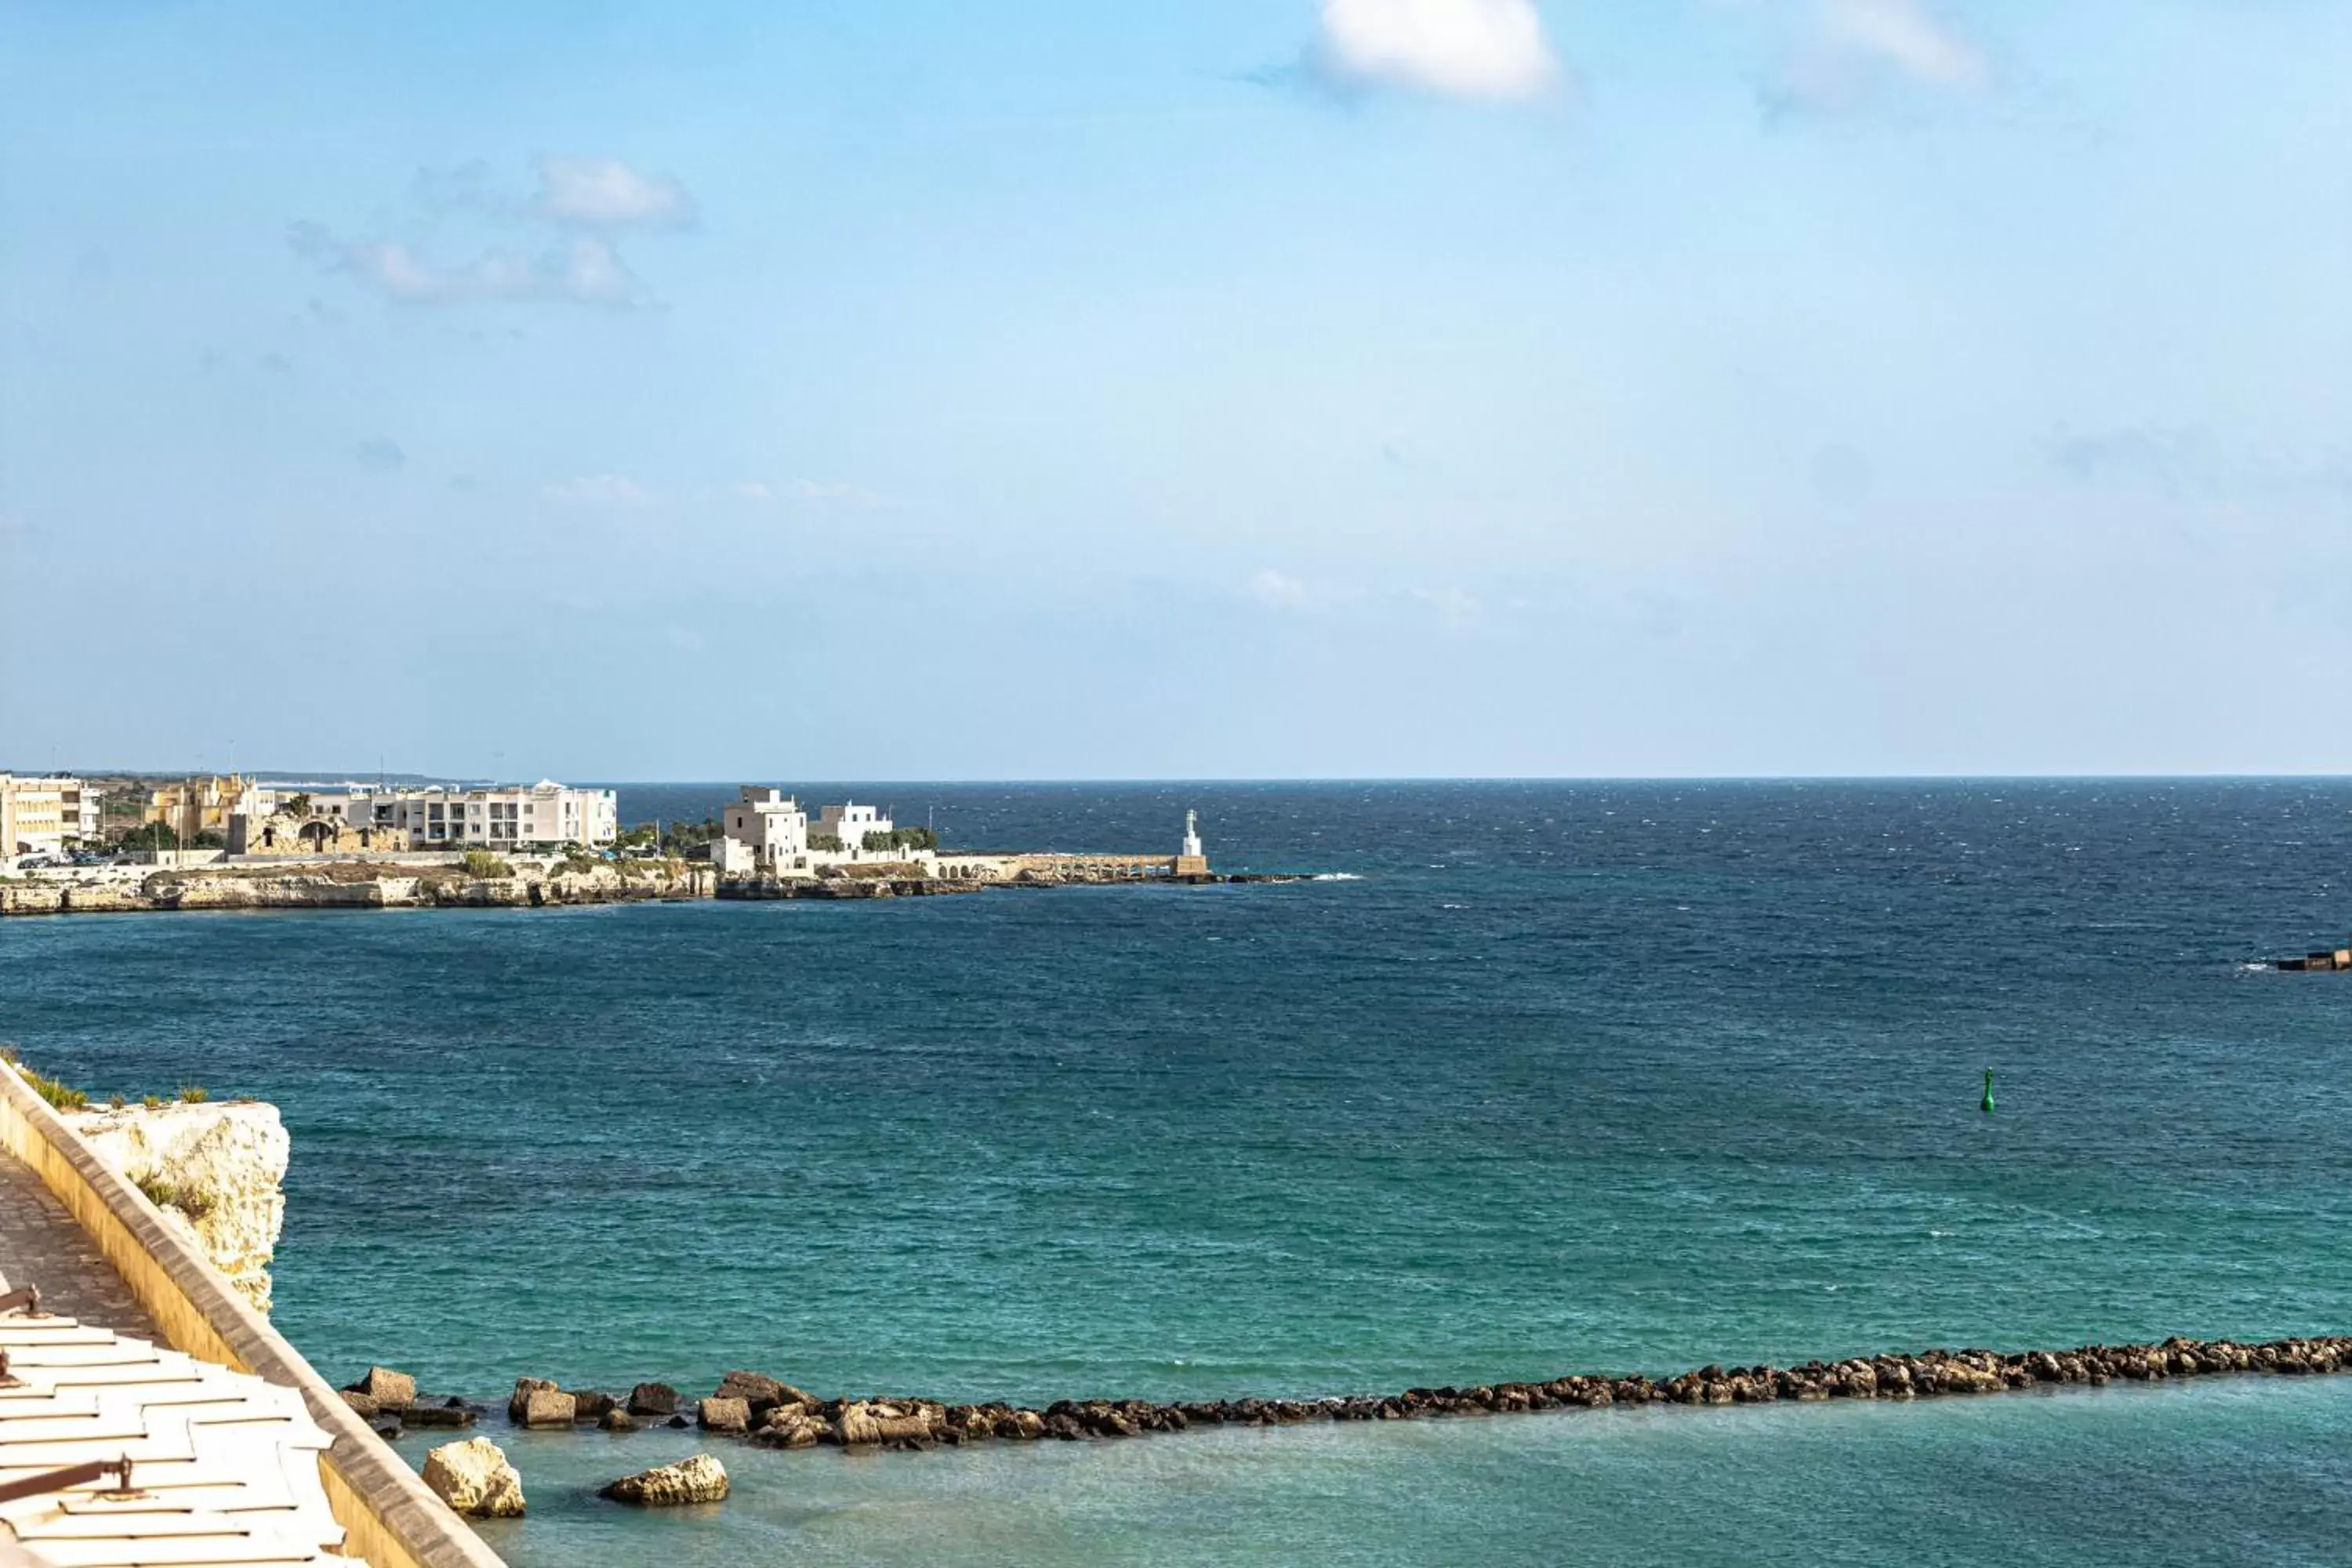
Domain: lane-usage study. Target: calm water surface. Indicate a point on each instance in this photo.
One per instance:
(1605, 1077)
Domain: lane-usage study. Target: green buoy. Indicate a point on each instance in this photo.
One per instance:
(1987, 1098)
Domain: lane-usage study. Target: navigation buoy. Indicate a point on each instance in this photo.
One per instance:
(1987, 1098)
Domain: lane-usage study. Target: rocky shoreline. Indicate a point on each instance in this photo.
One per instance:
(768, 1413)
(357, 885)
(376, 886)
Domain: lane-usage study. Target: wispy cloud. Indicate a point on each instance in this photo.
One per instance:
(584, 201)
(805, 492)
(2183, 461)
(606, 491)
(1489, 50)
(587, 271)
(605, 193)
(1279, 591)
(1851, 48)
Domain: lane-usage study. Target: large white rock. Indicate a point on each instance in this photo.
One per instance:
(216, 1171)
(475, 1479)
(698, 1478)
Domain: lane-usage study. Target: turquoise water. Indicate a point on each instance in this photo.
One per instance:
(1573, 1078)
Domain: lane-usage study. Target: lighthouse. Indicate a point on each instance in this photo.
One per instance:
(1190, 859)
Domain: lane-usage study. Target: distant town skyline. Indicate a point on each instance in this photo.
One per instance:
(1226, 389)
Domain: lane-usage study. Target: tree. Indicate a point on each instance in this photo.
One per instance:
(149, 836)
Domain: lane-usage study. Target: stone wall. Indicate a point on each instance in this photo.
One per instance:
(216, 1172)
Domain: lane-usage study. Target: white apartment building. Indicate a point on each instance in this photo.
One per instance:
(503, 816)
(771, 825)
(39, 816)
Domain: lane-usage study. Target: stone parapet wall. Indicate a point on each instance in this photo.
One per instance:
(392, 1519)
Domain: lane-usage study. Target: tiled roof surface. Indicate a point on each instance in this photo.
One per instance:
(224, 1466)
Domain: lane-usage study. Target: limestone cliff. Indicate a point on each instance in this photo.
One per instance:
(216, 1171)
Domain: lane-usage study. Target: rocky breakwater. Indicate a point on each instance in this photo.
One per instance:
(218, 1171)
(768, 1413)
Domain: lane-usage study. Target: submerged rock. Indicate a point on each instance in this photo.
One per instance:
(539, 1402)
(475, 1479)
(653, 1399)
(387, 1387)
(699, 1478)
(725, 1414)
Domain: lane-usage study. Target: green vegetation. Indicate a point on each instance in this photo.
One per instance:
(56, 1093)
(152, 1102)
(830, 842)
(115, 1102)
(164, 1194)
(193, 1094)
(484, 866)
(150, 836)
(901, 838)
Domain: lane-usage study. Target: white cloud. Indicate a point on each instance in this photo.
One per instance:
(600, 490)
(1848, 47)
(587, 271)
(1276, 591)
(1908, 36)
(1461, 48)
(605, 193)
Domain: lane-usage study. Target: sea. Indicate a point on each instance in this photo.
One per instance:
(1526, 1079)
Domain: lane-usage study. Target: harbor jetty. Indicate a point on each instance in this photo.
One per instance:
(2336, 959)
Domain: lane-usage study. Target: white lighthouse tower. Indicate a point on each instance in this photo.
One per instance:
(1190, 861)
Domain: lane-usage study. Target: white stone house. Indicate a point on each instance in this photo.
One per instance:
(771, 826)
(850, 823)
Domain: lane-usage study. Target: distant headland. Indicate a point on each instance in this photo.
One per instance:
(231, 843)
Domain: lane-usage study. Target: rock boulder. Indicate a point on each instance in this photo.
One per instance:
(475, 1479)
(700, 1479)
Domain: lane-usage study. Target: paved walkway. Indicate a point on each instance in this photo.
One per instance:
(225, 1465)
(41, 1245)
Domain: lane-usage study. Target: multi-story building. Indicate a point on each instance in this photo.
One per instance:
(42, 815)
(439, 816)
(198, 806)
(771, 825)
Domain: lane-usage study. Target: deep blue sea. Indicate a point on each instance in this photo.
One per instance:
(1549, 1077)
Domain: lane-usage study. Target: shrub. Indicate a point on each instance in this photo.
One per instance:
(115, 1102)
(166, 1193)
(193, 1094)
(152, 1102)
(483, 865)
(58, 1095)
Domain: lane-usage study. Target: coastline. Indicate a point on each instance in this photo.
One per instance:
(556, 882)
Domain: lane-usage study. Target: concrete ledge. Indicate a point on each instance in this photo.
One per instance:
(389, 1515)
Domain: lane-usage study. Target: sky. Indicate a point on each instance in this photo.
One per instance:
(1176, 388)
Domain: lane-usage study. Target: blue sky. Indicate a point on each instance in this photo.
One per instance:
(1224, 388)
